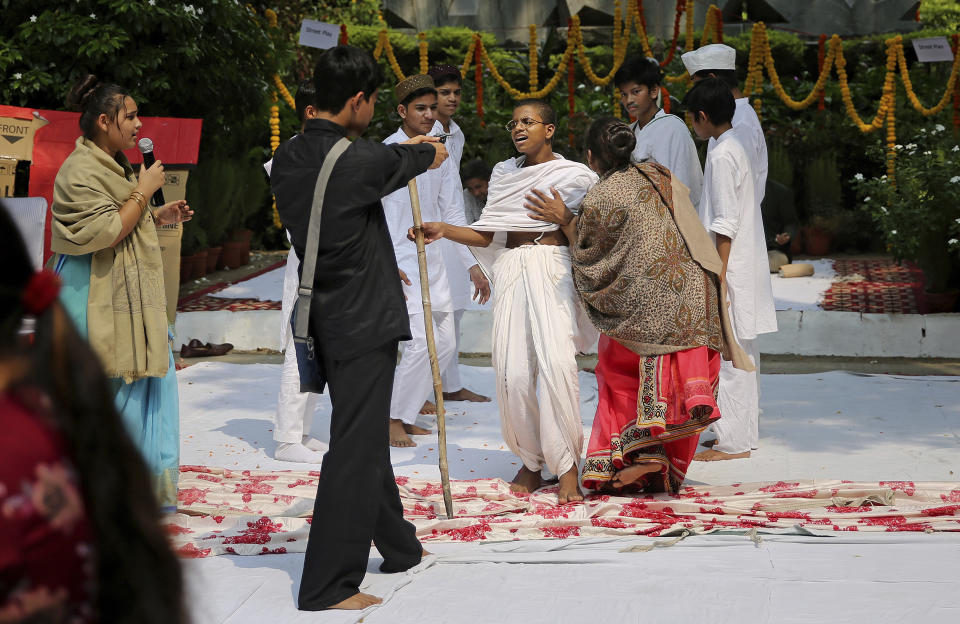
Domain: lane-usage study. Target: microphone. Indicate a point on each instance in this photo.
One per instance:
(145, 146)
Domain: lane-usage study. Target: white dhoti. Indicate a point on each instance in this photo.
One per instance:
(739, 402)
(413, 379)
(294, 408)
(535, 338)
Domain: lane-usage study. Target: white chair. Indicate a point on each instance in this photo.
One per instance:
(30, 215)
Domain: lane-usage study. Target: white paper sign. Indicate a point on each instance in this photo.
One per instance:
(319, 34)
(933, 50)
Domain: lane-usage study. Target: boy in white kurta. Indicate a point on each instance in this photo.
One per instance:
(446, 79)
(538, 324)
(729, 211)
(439, 192)
(661, 137)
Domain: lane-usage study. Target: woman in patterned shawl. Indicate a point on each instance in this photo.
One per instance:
(648, 276)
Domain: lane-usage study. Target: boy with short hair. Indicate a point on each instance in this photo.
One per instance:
(357, 318)
(538, 324)
(729, 211)
(661, 137)
(440, 197)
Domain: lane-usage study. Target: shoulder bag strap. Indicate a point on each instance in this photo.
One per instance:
(309, 262)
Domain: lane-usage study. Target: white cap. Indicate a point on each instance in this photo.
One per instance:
(714, 56)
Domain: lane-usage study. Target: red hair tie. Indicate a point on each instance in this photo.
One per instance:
(41, 291)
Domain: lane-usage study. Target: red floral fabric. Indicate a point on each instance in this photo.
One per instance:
(46, 572)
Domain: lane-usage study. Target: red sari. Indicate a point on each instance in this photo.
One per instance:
(651, 409)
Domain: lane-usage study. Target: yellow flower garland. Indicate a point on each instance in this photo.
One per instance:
(284, 92)
(424, 65)
(532, 56)
(908, 86)
(689, 9)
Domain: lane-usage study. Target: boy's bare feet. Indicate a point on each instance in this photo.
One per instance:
(569, 487)
(398, 434)
(415, 430)
(713, 455)
(428, 408)
(526, 481)
(465, 395)
(631, 474)
(357, 602)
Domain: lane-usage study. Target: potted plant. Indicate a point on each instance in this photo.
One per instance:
(917, 212)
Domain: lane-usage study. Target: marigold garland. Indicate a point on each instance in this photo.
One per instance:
(424, 64)
(343, 35)
(821, 56)
(571, 100)
(478, 77)
(688, 46)
(284, 92)
(274, 144)
(665, 97)
(955, 45)
(676, 33)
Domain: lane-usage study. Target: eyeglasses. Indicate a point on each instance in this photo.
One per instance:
(525, 122)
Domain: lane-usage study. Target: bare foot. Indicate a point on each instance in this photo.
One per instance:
(569, 487)
(465, 395)
(357, 602)
(632, 474)
(415, 430)
(526, 481)
(428, 408)
(398, 434)
(709, 443)
(713, 455)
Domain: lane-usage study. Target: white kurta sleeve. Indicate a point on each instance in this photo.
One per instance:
(451, 208)
(680, 157)
(722, 188)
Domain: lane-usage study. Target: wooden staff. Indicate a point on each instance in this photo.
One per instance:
(431, 346)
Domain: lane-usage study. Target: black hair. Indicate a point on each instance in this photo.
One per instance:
(137, 577)
(92, 98)
(543, 108)
(416, 93)
(474, 169)
(712, 97)
(727, 76)
(611, 142)
(444, 74)
(306, 96)
(641, 70)
(342, 72)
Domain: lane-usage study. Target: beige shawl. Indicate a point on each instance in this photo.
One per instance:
(126, 307)
(646, 269)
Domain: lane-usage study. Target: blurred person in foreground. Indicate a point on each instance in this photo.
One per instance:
(357, 318)
(80, 538)
(649, 278)
(108, 256)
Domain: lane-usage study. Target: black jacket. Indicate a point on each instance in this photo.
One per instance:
(357, 299)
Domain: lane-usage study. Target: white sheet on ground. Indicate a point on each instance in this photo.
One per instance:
(264, 287)
(803, 293)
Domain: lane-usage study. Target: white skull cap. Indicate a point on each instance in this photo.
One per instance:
(716, 56)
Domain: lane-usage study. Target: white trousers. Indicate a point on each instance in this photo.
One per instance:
(739, 402)
(294, 408)
(451, 374)
(413, 379)
(533, 340)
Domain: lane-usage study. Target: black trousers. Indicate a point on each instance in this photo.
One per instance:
(357, 497)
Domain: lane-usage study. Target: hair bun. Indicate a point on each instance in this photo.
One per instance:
(622, 139)
(80, 95)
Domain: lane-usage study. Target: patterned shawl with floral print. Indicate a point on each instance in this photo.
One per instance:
(642, 281)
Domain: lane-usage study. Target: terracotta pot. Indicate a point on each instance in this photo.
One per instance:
(241, 234)
(796, 243)
(245, 257)
(200, 264)
(186, 268)
(231, 256)
(213, 257)
(938, 303)
(816, 241)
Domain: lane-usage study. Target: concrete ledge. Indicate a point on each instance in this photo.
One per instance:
(811, 332)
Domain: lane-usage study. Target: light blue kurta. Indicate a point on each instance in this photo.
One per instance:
(149, 407)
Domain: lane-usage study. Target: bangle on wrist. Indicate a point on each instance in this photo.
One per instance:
(138, 197)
